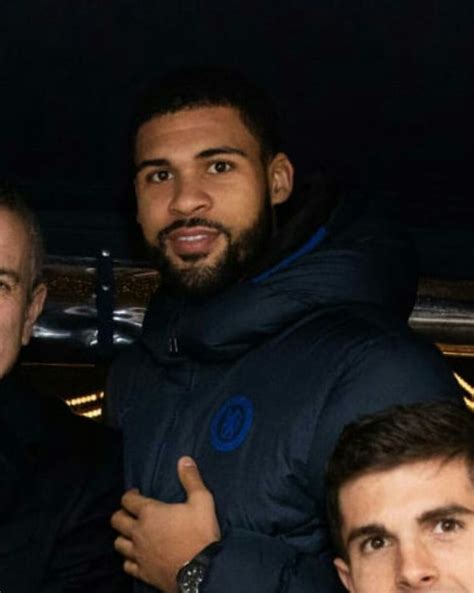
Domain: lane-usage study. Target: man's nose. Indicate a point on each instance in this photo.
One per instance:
(417, 569)
(189, 197)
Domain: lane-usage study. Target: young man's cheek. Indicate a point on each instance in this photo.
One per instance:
(372, 574)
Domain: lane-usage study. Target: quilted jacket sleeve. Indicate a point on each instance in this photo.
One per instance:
(390, 371)
(257, 563)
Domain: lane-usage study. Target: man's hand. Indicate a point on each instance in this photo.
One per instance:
(158, 538)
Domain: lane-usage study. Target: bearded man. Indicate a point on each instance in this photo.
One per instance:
(270, 331)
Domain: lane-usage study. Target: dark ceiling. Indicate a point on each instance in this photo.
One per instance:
(377, 93)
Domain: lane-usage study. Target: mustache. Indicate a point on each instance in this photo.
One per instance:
(189, 223)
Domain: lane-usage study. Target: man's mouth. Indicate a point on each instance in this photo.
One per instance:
(192, 240)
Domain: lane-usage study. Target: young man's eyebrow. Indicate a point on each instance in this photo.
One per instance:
(370, 530)
(218, 150)
(443, 512)
(10, 273)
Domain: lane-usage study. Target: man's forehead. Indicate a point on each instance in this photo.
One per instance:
(190, 125)
(12, 223)
(405, 491)
(14, 239)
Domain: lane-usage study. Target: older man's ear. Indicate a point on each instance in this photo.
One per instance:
(33, 311)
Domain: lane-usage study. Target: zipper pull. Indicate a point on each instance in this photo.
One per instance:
(173, 345)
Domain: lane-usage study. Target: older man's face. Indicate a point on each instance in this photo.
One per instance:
(19, 308)
(409, 529)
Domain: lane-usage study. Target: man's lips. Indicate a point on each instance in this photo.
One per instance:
(192, 240)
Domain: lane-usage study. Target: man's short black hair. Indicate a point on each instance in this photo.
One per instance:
(189, 88)
(393, 437)
(11, 199)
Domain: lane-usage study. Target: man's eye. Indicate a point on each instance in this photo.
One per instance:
(159, 176)
(220, 167)
(5, 287)
(447, 526)
(372, 544)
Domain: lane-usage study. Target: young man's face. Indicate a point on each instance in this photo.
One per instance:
(409, 529)
(18, 308)
(204, 195)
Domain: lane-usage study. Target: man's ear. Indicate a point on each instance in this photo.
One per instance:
(280, 178)
(344, 573)
(33, 311)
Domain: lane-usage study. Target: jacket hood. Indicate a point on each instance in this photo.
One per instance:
(356, 258)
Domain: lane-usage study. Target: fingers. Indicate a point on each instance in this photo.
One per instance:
(131, 568)
(133, 501)
(190, 477)
(125, 547)
(123, 522)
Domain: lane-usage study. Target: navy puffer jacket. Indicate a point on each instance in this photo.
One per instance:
(257, 383)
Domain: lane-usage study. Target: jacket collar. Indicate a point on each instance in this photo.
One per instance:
(356, 259)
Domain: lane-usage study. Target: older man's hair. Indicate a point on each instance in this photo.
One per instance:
(12, 200)
(396, 436)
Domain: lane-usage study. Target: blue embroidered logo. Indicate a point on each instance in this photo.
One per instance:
(231, 423)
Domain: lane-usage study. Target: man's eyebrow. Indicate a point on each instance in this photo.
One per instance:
(439, 513)
(10, 273)
(372, 529)
(218, 150)
(152, 163)
(204, 154)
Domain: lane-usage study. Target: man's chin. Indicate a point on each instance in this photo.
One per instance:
(199, 276)
(197, 281)
(185, 262)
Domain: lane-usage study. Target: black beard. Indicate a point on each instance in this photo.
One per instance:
(237, 260)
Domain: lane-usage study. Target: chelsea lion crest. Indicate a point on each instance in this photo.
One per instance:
(231, 423)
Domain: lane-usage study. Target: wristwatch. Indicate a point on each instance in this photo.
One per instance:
(191, 575)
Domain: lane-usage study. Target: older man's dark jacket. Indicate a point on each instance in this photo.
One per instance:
(60, 480)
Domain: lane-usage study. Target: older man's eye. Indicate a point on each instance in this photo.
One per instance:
(448, 525)
(220, 167)
(5, 286)
(372, 544)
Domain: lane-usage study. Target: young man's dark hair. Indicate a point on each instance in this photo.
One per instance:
(12, 200)
(189, 88)
(393, 437)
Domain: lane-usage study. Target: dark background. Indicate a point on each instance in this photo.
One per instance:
(377, 94)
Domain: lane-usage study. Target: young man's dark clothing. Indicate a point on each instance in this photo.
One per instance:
(256, 384)
(60, 481)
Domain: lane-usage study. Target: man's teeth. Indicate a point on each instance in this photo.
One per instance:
(190, 238)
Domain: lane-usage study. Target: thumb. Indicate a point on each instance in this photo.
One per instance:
(190, 477)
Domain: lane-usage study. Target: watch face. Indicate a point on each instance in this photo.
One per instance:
(190, 577)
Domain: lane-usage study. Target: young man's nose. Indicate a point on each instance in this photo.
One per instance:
(417, 569)
(189, 198)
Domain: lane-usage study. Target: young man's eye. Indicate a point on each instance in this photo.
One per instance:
(372, 544)
(220, 167)
(159, 176)
(448, 525)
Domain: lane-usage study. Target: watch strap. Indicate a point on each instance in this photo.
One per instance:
(192, 574)
(206, 555)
